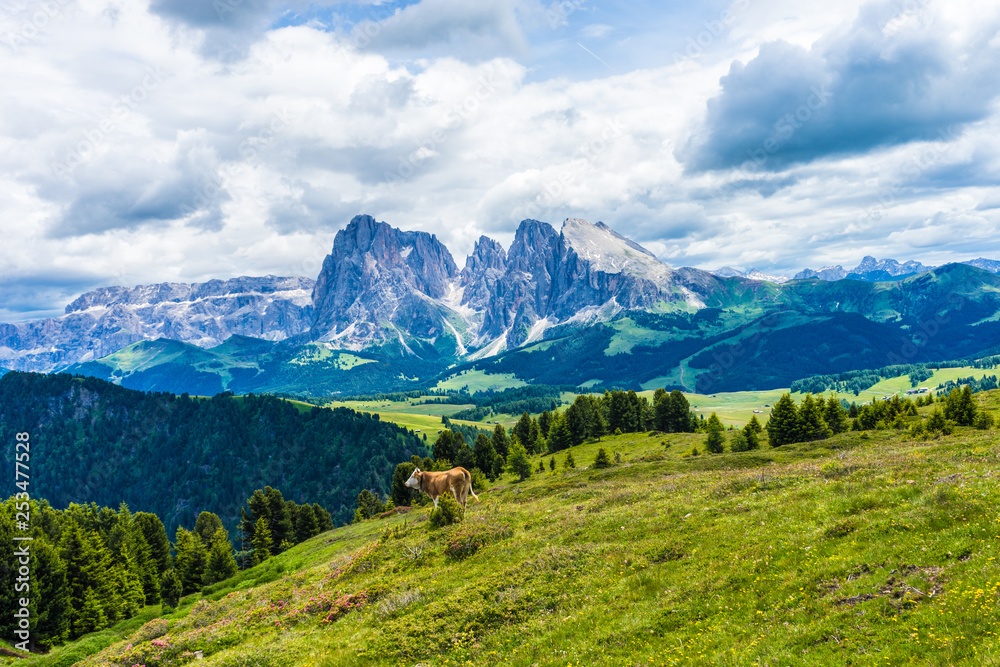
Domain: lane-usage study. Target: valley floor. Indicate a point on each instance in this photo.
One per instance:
(864, 549)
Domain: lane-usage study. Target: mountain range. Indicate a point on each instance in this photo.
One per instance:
(579, 305)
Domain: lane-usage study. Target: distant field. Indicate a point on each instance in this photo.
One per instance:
(901, 384)
(733, 408)
(477, 381)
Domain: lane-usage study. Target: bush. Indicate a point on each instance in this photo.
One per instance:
(448, 511)
(983, 421)
(602, 460)
(465, 540)
(569, 462)
(739, 442)
(479, 480)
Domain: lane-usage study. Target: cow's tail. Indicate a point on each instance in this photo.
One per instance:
(468, 484)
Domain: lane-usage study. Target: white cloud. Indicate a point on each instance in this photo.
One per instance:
(444, 122)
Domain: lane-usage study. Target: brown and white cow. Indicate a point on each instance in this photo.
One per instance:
(457, 480)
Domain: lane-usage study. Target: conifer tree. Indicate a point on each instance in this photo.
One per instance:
(280, 521)
(206, 526)
(544, 421)
(602, 460)
(446, 447)
(155, 536)
(714, 441)
(52, 625)
(501, 441)
(221, 564)
(91, 616)
(402, 495)
(752, 435)
(569, 462)
(262, 541)
(323, 519)
(171, 588)
(812, 426)
(835, 415)
(522, 430)
(754, 425)
(517, 460)
(305, 524)
(783, 425)
(484, 455)
(191, 559)
(560, 437)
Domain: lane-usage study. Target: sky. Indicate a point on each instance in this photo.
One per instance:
(184, 140)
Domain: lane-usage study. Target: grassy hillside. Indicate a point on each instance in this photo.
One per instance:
(864, 549)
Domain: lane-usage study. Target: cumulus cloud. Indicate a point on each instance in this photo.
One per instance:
(439, 119)
(878, 83)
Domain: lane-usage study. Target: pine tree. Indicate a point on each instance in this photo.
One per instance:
(835, 415)
(464, 456)
(602, 460)
(544, 421)
(517, 460)
(739, 443)
(305, 524)
(560, 437)
(52, 625)
(191, 559)
(783, 425)
(323, 519)
(569, 462)
(812, 426)
(402, 495)
(484, 455)
(221, 564)
(501, 441)
(171, 588)
(280, 521)
(552, 463)
(754, 425)
(206, 526)
(156, 537)
(262, 541)
(714, 441)
(445, 447)
(522, 431)
(751, 435)
(91, 616)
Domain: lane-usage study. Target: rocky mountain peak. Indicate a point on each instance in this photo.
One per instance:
(377, 275)
(483, 268)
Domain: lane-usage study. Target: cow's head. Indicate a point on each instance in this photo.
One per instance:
(414, 481)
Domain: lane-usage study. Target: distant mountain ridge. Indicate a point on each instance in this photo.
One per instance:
(107, 319)
(390, 310)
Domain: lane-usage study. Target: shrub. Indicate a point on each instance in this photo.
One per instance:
(479, 480)
(739, 442)
(447, 512)
(602, 460)
(569, 462)
(983, 421)
(467, 539)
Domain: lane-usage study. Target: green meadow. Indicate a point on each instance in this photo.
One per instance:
(869, 548)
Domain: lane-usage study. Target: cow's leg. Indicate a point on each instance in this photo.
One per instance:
(435, 502)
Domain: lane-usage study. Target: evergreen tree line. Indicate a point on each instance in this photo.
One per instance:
(93, 566)
(109, 444)
(816, 419)
(854, 382)
(588, 417)
(986, 383)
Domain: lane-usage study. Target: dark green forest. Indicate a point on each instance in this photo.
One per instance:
(175, 456)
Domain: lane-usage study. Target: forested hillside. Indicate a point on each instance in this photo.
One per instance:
(176, 456)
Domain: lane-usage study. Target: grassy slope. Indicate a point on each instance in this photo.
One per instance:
(861, 551)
